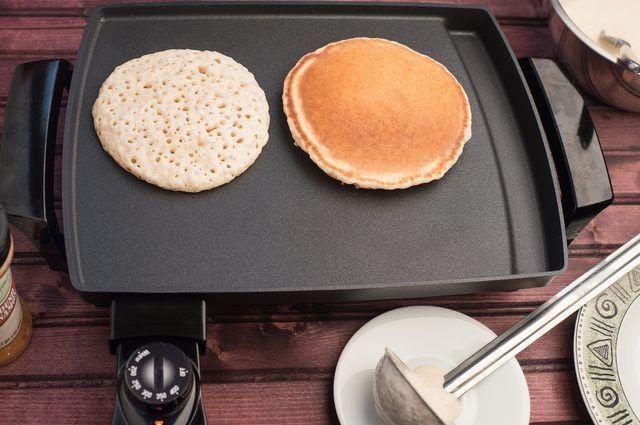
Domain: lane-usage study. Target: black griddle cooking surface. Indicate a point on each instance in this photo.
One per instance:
(492, 222)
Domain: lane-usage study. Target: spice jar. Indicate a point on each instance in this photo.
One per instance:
(15, 316)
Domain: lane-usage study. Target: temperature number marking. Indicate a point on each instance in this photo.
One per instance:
(146, 394)
(161, 396)
(182, 372)
(174, 390)
(135, 384)
(141, 355)
(133, 371)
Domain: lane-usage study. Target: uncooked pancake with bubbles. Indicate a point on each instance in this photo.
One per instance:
(184, 120)
(376, 114)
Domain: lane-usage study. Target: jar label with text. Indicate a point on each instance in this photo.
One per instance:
(10, 310)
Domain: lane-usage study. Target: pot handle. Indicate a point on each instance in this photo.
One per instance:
(580, 166)
(27, 154)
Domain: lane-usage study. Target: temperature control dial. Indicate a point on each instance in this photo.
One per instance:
(158, 374)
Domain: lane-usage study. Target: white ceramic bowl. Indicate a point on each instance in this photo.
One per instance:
(433, 336)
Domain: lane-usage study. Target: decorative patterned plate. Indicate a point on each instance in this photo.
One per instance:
(607, 353)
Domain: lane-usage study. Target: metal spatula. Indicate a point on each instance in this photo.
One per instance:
(398, 400)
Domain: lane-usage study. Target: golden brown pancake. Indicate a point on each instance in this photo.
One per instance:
(377, 114)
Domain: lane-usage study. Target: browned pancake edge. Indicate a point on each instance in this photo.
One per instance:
(323, 158)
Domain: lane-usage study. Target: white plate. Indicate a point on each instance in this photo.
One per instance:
(433, 336)
(607, 353)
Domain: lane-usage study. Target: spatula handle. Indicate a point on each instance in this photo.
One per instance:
(544, 318)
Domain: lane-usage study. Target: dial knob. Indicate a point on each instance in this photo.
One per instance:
(158, 374)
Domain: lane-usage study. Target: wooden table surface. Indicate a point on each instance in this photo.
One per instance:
(274, 364)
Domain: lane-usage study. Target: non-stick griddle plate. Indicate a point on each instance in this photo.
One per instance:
(284, 227)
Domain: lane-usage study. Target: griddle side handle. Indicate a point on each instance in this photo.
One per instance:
(580, 165)
(27, 153)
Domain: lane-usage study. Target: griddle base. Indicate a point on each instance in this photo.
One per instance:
(138, 321)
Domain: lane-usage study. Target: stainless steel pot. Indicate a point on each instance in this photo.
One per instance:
(614, 79)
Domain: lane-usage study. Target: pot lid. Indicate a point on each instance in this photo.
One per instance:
(575, 29)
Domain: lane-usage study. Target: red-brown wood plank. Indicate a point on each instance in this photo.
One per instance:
(555, 398)
(22, 244)
(18, 45)
(617, 129)
(310, 340)
(610, 229)
(50, 294)
(624, 171)
(48, 41)
(236, 350)
(312, 335)
(250, 403)
(522, 301)
(53, 299)
(246, 403)
(64, 38)
(532, 41)
(508, 8)
(246, 342)
(27, 23)
(9, 62)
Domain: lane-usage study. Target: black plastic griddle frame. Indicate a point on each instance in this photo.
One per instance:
(26, 163)
(27, 154)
